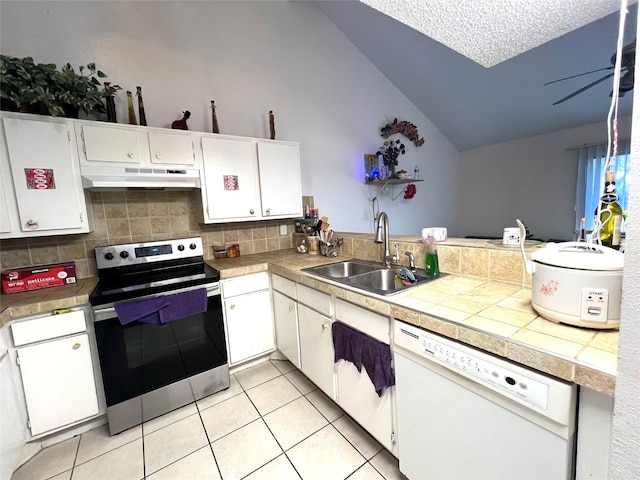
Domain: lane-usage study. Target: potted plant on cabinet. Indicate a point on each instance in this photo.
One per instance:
(42, 88)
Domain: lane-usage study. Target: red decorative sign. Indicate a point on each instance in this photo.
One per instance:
(230, 182)
(40, 178)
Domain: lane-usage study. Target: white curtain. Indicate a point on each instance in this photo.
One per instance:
(591, 168)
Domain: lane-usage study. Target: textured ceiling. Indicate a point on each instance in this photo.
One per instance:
(474, 106)
(490, 31)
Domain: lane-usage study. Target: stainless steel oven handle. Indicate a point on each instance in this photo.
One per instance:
(106, 313)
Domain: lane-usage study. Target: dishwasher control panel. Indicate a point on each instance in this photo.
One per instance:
(513, 383)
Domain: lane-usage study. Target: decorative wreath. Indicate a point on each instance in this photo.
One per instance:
(407, 129)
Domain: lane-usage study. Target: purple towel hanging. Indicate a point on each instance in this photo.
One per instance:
(163, 308)
(362, 350)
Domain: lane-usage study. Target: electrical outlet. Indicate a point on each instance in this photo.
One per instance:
(283, 229)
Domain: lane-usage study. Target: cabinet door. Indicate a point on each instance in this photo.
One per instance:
(280, 180)
(171, 148)
(316, 348)
(231, 179)
(285, 313)
(5, 222)
(249, 325)
(58, 381)
(45, 176)
(357, 396)
(109, 144)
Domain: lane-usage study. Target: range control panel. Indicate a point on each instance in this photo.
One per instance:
(141, 253)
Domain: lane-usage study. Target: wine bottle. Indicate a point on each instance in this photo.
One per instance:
(214, 118)
(610, 214)
(111, 104)
(143, 116)
(132, 112)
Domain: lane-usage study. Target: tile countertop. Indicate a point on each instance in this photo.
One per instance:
(44, 300)
(495, 316)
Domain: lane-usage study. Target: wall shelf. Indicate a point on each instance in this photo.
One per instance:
(383, 184)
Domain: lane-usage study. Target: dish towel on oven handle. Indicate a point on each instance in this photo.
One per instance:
(163, 308)
(361, 349)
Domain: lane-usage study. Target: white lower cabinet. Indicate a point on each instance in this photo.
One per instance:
(285, 315)
(310, 337)
(316, 349)
(355, 391)
(248, 316)
(57, 372)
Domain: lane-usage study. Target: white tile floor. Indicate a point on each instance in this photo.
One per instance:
(271, 424)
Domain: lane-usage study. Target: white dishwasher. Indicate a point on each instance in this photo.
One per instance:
(466, 415)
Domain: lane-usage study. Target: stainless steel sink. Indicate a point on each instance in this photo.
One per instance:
(367, 276)
(342, 269)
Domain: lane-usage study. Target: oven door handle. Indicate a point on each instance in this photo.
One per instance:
(107, 313)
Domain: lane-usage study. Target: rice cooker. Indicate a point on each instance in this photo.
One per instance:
(577, 283)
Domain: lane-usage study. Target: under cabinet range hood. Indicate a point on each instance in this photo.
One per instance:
(135, 177)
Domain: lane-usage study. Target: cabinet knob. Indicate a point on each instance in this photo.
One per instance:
(251, 211)
(325, 326)
(232, 306)
(31, 224)
(290, 307)
(130, 154)
(267, 211)
(158, 156)
(76, 346)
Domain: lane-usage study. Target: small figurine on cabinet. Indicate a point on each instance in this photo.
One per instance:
(182, 123)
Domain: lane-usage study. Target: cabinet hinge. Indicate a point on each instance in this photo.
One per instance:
(29, 424)
(81, 219)
(393, 437)
(17, 360)
(68, 135)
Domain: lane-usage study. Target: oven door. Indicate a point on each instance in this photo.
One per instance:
(149, 370)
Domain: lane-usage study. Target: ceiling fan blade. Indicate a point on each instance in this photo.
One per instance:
(578, 75)
(577, 92)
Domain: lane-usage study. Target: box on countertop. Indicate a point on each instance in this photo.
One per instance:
(42, 276)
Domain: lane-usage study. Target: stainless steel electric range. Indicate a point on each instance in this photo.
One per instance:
(159, 329)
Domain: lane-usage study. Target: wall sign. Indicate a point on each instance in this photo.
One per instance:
(40, 178)
(230, 182)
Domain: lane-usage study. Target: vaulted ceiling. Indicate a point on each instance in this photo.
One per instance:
(474, 105)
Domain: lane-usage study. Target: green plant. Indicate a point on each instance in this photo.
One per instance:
(41, 88)
(79, 91)
(25, 85)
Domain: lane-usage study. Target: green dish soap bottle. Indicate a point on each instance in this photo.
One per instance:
(432, 268)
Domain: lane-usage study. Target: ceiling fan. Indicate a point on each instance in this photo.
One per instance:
(627, 65)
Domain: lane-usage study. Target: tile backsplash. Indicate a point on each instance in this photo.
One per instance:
(141, 216)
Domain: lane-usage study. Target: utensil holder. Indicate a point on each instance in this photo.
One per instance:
(329, 249)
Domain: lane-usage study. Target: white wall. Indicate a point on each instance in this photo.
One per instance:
(251, 57)
(625, 447)
(533, 179)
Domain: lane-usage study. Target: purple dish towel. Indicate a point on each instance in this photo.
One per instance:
(146, 310)
(163, 308)
(184, 304)
(362, 350)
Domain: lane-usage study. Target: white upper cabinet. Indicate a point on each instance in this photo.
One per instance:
(249, 179)
(110, 144)
(40, 175)
(5, 221)
(175, 148)
(231, 179)
(280, 185)
(127, 144)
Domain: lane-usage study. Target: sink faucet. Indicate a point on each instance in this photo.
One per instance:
(382, 236)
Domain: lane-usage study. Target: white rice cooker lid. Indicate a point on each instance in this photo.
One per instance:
(579, 256)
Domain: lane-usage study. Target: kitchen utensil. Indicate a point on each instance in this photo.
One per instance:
(576, 283)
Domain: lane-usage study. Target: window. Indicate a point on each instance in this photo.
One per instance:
(591, 168)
